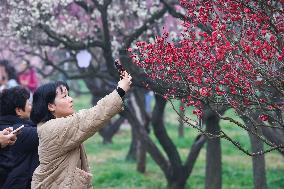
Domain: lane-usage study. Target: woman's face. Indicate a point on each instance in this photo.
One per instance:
(63, 103)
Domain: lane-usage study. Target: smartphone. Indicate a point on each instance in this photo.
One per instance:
(119, 67)
(17, 130)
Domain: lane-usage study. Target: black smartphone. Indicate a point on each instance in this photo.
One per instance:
(119, 67)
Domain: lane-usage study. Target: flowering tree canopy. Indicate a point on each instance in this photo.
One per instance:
(96, 25)
(230, 55)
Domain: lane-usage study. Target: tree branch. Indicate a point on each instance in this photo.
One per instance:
(129, 39)
(68, 42)
(85, 6)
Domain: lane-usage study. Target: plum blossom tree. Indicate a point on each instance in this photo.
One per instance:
(230, 55)
(236, 62)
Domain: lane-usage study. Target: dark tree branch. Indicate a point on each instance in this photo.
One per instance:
(72, 45)
(107, 3)
(129, 39)
(98, 5)
(88, 9)
(173, 12)
(193, 154)
(162, 136)
(106, 38)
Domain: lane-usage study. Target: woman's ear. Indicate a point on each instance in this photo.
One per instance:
(51, 107)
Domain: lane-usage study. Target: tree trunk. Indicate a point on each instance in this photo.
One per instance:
(163, 137)
(132, 152)
(213, 178)
(141, 157)
(258, 162)
(177, 184)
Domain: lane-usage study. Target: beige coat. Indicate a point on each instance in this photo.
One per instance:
(63, 162)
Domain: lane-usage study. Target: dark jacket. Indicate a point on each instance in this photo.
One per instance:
(18, 162)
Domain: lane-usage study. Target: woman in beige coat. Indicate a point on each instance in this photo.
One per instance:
(63, 162)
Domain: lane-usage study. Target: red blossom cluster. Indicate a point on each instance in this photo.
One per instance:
(231, 53)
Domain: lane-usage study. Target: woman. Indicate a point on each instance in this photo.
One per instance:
(63, 162)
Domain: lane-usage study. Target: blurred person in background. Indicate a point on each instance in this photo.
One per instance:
(8, 76)
(27, 77)
(18, 162)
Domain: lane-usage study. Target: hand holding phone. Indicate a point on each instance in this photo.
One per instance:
(17, 130)
(119, 68)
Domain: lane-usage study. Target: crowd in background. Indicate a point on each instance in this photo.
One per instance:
(10, 77)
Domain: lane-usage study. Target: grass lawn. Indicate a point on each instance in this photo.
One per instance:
(112, 171)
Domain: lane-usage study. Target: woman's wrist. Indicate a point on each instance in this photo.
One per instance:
(120, 91)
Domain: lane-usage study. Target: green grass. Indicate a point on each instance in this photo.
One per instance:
(112, 171)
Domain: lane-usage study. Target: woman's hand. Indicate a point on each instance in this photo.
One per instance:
(125, 82)
(7, 138)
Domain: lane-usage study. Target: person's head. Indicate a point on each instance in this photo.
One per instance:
(23, 66)
(51, 101)
(15, 101)
(7, 72)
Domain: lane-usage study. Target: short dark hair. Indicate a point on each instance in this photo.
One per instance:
(44, 95)
(12, 98)
(11, 72)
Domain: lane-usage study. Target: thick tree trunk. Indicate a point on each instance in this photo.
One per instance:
(213, 178)
(258, 162)
(141, 156)
(132, 152)
(177, 184)
(163, 137)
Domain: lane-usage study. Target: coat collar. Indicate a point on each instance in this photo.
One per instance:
(12, 120)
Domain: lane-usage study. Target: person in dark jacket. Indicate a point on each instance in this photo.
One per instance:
(18, 162)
